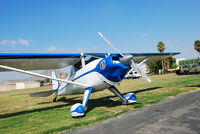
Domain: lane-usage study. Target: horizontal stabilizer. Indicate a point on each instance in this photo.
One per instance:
(42, 93)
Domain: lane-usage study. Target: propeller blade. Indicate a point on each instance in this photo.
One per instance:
(100, 34)
(139, 71)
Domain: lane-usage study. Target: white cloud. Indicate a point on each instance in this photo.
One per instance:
(64, 50)
(80, 50)
(146, 34)
(15, 42)
(51, 48)
(4, 42)
(23, 42)
(68, 50)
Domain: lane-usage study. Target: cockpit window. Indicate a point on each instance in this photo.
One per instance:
(115, 59)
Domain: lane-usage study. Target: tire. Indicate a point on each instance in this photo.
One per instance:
(186, 72)
(178, 72)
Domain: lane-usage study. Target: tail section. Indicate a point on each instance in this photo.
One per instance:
(69, 77)
(55, 84)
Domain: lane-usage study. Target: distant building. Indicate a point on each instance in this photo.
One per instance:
(32, 82)
(7, 86)
(27, 84)
(178, 60)
(12, 85)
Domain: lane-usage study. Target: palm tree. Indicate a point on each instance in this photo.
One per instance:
(161, 46)
(197, 46)
(161, 49)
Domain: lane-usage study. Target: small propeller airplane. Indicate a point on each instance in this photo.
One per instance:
(89, 72)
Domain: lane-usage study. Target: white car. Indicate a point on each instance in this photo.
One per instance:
(132, 75)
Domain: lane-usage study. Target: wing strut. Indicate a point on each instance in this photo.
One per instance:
(41, 75)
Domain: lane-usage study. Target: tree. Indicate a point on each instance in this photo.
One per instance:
(47, 80)
(42, 83)
(170, 63)
(197, 46)
(153, 67)
(161, 49)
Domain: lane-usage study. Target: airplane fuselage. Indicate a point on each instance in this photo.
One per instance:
(99, 74)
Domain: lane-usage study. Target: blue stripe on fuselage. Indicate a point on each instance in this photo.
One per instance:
(78, 78)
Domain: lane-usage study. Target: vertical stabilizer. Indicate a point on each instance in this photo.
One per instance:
(71, 73)
(55, 83)
(69, 77)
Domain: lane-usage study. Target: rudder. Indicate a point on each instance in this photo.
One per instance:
(55, 83)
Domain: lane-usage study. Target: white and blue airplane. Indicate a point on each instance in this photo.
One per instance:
(90, 72)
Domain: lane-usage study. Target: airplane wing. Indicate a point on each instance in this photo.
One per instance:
(38, 61)
(44, 61)
(153, 57)
(139, 57)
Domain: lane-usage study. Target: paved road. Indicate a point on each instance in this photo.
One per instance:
(178, 115)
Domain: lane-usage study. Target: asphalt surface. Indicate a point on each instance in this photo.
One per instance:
(178, 115)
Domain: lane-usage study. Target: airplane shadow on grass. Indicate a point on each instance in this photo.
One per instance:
(197, 85)
(106, 102)
(92, 103)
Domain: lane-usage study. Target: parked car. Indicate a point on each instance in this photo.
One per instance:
(188, 69)
(132, 75)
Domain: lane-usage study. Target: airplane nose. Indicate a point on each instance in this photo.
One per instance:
(127, 60)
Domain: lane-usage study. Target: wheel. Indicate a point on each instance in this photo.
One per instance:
(77, 110)
(178, 72)
(131, 98)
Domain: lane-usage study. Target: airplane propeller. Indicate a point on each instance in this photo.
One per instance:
(128, 60)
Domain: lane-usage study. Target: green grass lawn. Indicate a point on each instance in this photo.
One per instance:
(19, 113)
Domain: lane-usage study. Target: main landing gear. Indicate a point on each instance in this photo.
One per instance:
(54, 99)
(77, 110)
(129, 98)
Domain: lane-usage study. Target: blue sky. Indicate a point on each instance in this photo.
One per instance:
(71, 26)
